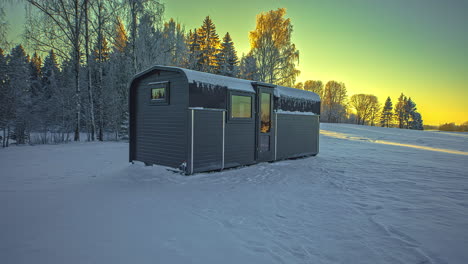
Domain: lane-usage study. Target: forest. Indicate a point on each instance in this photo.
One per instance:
(68, 80)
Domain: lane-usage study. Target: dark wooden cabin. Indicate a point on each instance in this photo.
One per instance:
(199, 121)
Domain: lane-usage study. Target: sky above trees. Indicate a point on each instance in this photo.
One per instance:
(375, 47)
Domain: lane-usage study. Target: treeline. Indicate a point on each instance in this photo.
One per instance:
(84, 52)
(453, 127)
(362, 109)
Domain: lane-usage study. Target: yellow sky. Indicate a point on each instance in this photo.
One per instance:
(380, 47)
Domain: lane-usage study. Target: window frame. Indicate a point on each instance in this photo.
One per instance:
(151, 86)
(252, 108)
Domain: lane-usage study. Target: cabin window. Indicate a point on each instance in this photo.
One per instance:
(159, 93)
(265, 119)
(241, 106)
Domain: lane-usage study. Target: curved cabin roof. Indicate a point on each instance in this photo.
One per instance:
(218, 81)
(205, 79)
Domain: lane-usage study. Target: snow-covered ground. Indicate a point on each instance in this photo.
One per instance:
(372, 195)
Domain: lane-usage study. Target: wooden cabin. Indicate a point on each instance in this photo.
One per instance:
(198, 121)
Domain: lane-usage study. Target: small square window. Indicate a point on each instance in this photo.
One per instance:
(159, 93)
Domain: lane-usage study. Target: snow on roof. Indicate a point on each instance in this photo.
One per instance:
(282, 91)
(236, 84)
(217, 80)
(279, 111)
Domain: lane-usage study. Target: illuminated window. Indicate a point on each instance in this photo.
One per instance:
(159, 93)
(265, 112)
(241, 106)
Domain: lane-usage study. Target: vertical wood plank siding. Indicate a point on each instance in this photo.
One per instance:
(161, 130)
(208, 140)
(239, 144)
(297, 135)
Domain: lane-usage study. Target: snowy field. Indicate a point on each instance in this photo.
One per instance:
(372, 195)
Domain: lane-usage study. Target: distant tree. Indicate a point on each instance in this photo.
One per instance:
(374, 111)
(3, 29)
(248, 68)
(415, 119)
(409, 109)
(365, 106)
(387, 113)
(6, 100)
(448, 127)
(400, 111)
(19, 76)
(334, 103)
(35, 89)
(227, 58)
(271, 46)
(209, 46)
(314, 86)
(299, 85)
(47, 103)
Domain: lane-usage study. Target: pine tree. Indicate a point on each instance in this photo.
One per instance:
(387, 113)
(209, 46)
(227, 58)
(193, 44)
(6, 101)
(48, 103)
(414, 118)
(35, 89)
(400, 111)
(19, 73)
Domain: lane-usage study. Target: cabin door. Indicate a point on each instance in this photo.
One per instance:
(265, 129)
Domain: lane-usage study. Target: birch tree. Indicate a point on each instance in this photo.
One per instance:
(273, 50)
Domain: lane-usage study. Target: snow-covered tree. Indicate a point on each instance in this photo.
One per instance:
(173, 44)
(227, 58)
(46, 103)
(18, 74)
(149, 13)
(6, 100)
(193, 43)
(3, 29)
(248, 68)
(59, 25)
(35, 86)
